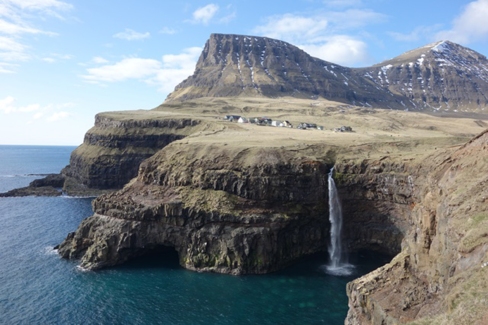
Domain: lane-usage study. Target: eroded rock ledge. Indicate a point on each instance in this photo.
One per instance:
(256, 208)
(441, 275)
(113, 149)
(230, 211)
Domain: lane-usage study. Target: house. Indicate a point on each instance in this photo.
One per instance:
(304, 126)
(343, 129)
(232, 118)
(287, 124)
(262, 121)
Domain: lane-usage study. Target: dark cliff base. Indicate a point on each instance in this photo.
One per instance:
(239, 198)
(50, 185)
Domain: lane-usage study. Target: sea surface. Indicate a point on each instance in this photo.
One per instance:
(38, 287)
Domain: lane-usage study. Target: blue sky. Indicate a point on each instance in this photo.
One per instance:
(63, 61)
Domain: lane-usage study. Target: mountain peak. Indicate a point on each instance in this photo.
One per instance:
(241, 65)
(441, 75)
(441, 46)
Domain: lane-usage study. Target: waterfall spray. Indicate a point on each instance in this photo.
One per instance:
(338, 263)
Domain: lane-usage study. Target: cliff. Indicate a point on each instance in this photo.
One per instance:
(119, 141)
(440, 276)
(238, 65)
(244, 198)
(225, 210)
(437, 77)
(241, 198)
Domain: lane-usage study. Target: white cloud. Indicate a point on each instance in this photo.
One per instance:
(292, 27)
(16, 20)
(99, 60)
(470, 25)
(176, 68)
(34, 112)
(164, 74)
(7, 67)
(324, 34)
(11, 50)
(17, 29)
(58, 116)
(167, 31)
(130, 68)
(227, 19)
(39, 5)
(131, 35)
(203, 15)
(7, 106)
(340, 49)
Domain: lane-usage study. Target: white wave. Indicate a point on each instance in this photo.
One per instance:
(65, 196)
(341, 270)
(82, 269)
(21, 175)
(49, 250)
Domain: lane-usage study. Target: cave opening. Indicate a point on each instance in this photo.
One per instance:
(155, 256)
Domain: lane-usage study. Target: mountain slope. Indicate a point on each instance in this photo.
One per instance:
(235, 65)
(442, 75)
(439, 76)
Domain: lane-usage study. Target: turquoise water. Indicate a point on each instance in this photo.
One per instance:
(37, 287)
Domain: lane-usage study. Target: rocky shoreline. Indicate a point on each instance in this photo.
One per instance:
(254, 207)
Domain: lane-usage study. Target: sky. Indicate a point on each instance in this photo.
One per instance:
(63, 61)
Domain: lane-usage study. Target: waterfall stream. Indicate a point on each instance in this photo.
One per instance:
(338, 264)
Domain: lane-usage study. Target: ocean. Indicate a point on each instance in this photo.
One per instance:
(38, 287)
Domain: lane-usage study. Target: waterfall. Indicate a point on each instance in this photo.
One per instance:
(338, 264)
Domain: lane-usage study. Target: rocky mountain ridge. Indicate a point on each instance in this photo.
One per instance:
(443, 75)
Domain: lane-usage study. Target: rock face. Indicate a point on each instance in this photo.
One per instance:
(440, 276)
(377, 197)
(234, 65)
(113, 149)
(229, 211)
(50, 185)
(254, 209)
(442, 75)
(439, 76)
(240, 209)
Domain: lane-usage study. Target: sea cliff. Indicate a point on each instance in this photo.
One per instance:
(244, 199)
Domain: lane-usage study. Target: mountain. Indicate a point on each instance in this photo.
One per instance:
(442, 75)
(236, 65)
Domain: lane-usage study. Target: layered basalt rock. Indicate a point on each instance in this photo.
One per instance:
(437, 77)
(113, 149)
(377, 197)
(236, 211)
(239, 65)
(440, 276)
(441, 76)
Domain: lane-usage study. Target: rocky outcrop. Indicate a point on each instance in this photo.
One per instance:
(440, 276)
(254, 209)
(237, 65)
(230, 211)
(49, 185)
(377, 197)
(113, 149)
(437, 77)
(440, 76)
